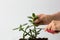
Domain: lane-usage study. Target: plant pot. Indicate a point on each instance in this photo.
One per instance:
(22, 39)
(42, 38)
(35, 39)
(39, 39)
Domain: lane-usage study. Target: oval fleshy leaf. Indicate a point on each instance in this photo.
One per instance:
(30, 17)
(33, 14)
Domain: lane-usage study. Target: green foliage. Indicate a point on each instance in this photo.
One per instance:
(25, 24)
(33, 15)
(30, 17)
(32, 32)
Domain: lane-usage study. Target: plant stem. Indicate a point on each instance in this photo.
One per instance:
(31, 33)
(26, 32)
(23, 36)
(35, 31)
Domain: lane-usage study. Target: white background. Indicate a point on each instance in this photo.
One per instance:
(14, 12)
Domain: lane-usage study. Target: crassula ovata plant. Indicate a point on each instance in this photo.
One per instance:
(32, 33)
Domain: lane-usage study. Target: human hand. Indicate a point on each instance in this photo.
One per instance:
(43, 19)
(53, 27)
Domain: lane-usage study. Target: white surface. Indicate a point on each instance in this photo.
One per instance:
(14, 12)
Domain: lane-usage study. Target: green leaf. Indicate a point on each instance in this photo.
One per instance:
(33, 14)
(36, 17)
(15, 28)
(30, 17)
(27, 27)
(39, 30)
(20, 28)
(30, 21)
(24, 24)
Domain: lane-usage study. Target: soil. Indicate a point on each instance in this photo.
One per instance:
(22, 39)
(35, 39)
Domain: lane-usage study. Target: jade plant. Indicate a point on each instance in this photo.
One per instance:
(32, 33)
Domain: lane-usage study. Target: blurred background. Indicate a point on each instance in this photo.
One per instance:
(15, 12)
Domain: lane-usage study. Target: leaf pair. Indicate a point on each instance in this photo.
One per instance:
(32, 18)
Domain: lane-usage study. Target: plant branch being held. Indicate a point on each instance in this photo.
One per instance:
(32, 32)
(46, 19)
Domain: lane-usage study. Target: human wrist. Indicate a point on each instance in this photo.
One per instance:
(56, 16)
(53, 17)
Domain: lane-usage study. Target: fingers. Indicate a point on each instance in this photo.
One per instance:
(48, 27)
(43, 19)
(51, 28)
(40, 19)
(37, 21)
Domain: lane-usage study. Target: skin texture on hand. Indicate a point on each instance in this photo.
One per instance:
(53, 27)
(46, 19)
(56, 16)
(43, 19)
